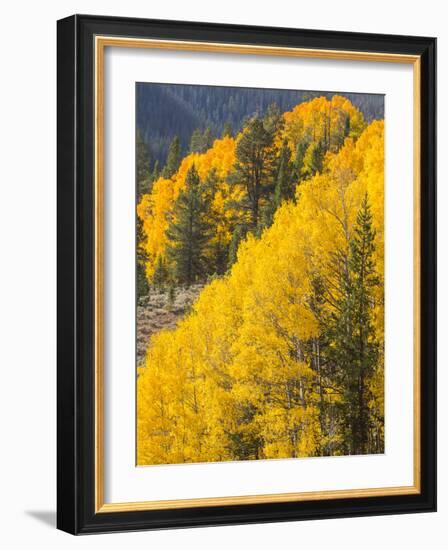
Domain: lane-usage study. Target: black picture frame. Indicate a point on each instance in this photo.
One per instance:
(76, 265)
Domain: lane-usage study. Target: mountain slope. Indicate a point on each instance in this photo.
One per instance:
(166, 110)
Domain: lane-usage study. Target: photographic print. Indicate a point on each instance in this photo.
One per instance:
(260, 274)
(234, 301)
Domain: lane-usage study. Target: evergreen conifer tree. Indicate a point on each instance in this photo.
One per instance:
(196, 141)
(350, 332)
(173, 158)
(273, 119)
(142, 166)
(207, 139)
(364, 280)
(254, 167)
(142, 281)
(347, 126)
(238, 235)
(189, 232)
(300, 158)
(161, 273)
(155, 172)
(218, 246)
(313, 160)
(227, 130)
(285, 185)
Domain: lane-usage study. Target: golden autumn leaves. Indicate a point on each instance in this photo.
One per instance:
(250, 372)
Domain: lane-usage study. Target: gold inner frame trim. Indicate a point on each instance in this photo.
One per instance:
(101, 42)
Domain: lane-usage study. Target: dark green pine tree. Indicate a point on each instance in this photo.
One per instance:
(143, 177)
(173, 159)
(267, 214)
(196, 141)
(273, 119)
(285, 185)
(227, 130)
(161, 273)
(347, 126)
(200, 142)
(352, 347)
(190, 232)
(142, 281)
(155, 172)
(218, 248)
(338, 344)
(254, 168)
(207, 140)
(313, 160)
(239, 233)
(364, 281)
(343, 133)
(142, 166)
(300, 158)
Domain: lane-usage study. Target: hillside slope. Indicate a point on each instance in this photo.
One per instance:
(166, 110)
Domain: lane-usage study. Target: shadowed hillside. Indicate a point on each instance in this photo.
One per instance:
(167, 110)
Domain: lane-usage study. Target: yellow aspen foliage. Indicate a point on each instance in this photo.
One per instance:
(324, 120)
(152, 210)
(155, 209)
(320, 125)
(243, 375)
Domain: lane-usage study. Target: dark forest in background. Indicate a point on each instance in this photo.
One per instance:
(167, 110)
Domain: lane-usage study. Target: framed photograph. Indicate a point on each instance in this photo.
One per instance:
(246, 274)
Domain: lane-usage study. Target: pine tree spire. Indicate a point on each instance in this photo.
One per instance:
(189, 232)
(173, 159)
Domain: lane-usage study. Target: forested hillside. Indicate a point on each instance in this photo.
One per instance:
(282, 353)
(168, 110)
